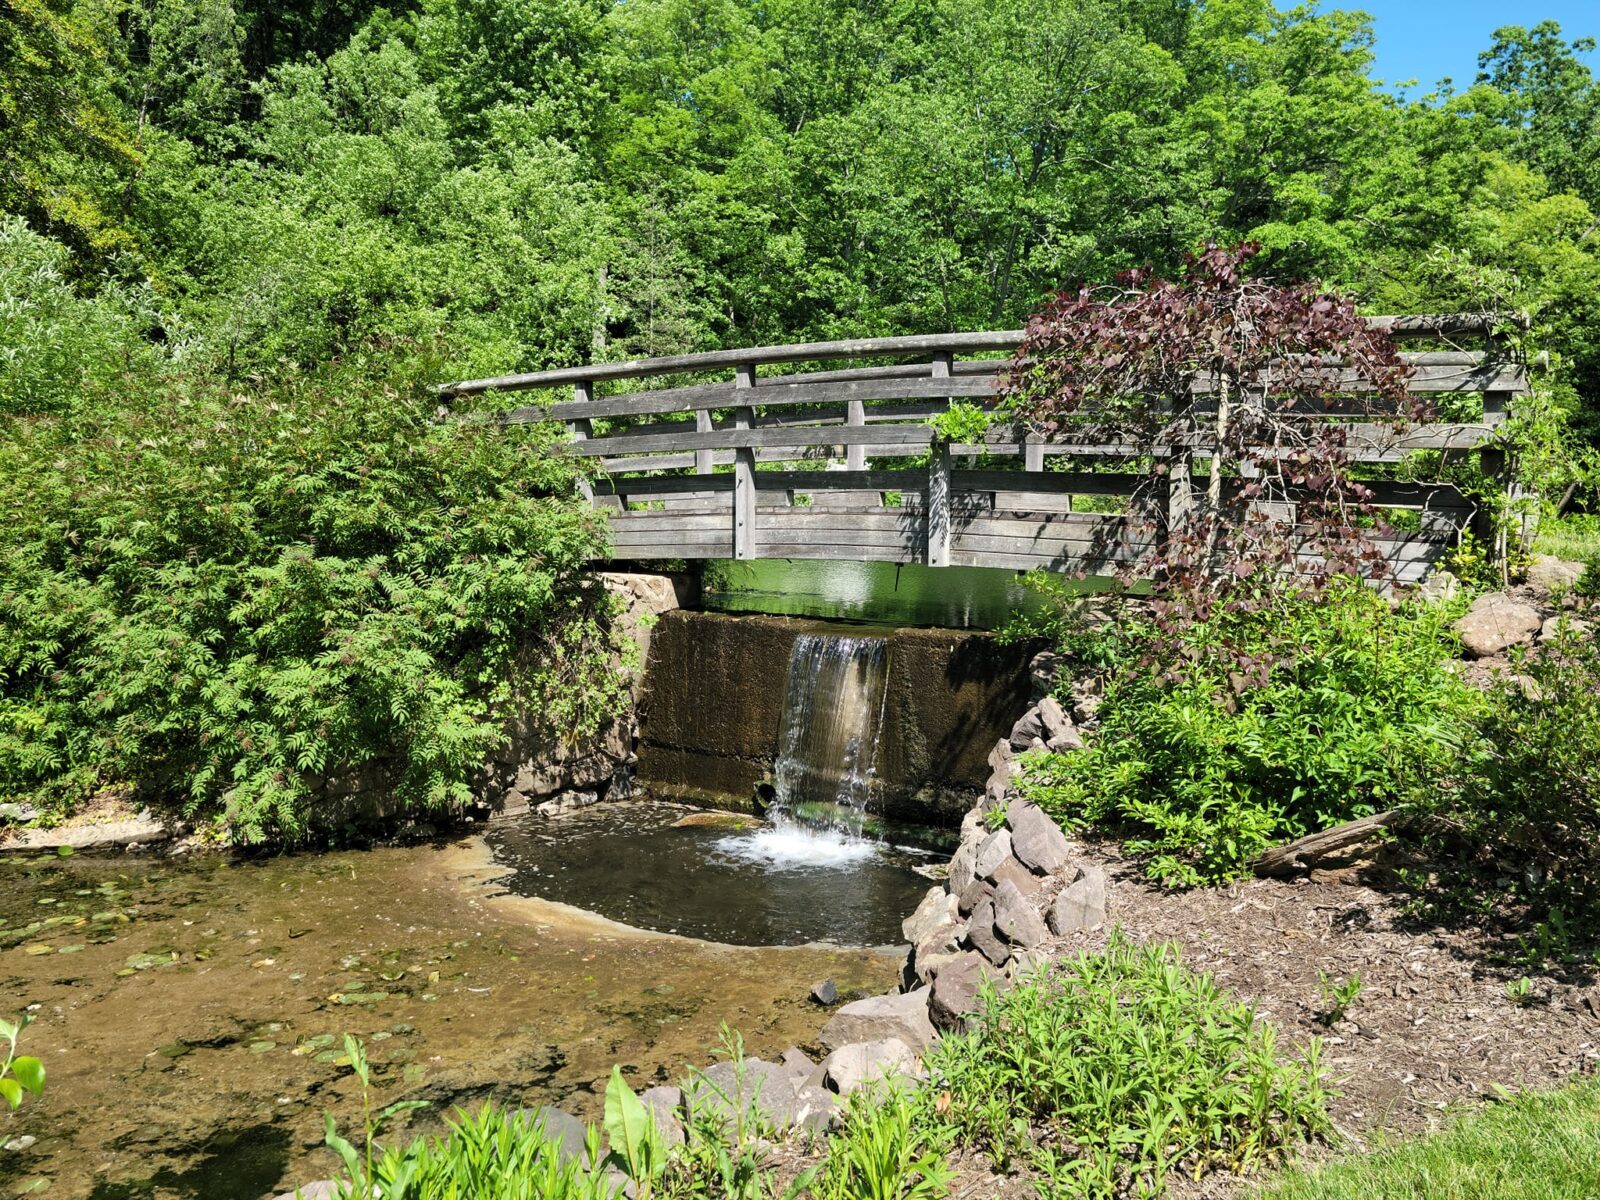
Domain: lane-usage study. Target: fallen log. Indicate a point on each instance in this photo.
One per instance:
(1315, 849)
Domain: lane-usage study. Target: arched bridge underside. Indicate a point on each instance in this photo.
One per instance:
(814, 452)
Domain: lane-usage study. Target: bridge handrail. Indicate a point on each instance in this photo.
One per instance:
(1430, 325)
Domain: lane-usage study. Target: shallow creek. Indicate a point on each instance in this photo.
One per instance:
(190, 1010)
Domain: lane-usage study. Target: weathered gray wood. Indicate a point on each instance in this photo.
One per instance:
(1316, 849)
(917, 344)
(897, 553)
(1085, 483)
(750, 439)
(744, 471)
(883, 480)
(662, 485)
(1448, 325)
(855, 458)
(702, 458)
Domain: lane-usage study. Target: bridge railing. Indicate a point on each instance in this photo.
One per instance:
(809, 463)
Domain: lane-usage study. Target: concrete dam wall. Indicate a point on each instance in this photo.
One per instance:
(713, 702)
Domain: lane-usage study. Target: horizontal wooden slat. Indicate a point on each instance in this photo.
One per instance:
(842, 435)
(854, 481)
(1442, 325)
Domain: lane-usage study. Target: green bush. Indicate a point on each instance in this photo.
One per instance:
(1115, 1071)
(224, 595)
(1529, 811)
(57, 345)
(1229, 735)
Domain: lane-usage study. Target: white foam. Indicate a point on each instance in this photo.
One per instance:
(788, 847)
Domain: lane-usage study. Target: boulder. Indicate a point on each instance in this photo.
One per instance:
(1037, 841)
(944, 940)
(1081, 905)
(569, 1135)
(816, 1109)
(925, 968)
(984, 939)
(859, 1063)
(825, 993)
(1044, 668)
(1028, 730)
(798, 1063)
(1015, 919)
(1552, 574)
(956, 991)
(963, 867)
(1552, 627)
(903, 1016)
(975, 894)
(1001, 755)
(1018, 876)
(998, 785)
(762, 1089)
(1439, 586)
(1495, 623)
(938, 908)
(973, 828)
(996, 848)
(1053, 718)
(1066, 742)
(1085, 701)
(664, 1104)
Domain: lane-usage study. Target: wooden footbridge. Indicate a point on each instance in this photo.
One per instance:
(798, 457)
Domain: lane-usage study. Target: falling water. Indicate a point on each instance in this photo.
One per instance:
(827, 746)
(825, 773)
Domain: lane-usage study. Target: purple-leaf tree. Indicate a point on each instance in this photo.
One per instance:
(1253, 382)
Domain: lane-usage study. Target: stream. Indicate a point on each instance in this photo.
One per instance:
(190, 1011)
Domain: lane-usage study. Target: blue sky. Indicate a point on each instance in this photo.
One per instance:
(1429, 39)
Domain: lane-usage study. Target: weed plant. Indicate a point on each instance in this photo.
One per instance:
(1114, 1072)
(892, 1146)
(1260, 725)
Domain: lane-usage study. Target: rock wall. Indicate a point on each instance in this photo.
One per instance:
(543, 769)
(714, 696)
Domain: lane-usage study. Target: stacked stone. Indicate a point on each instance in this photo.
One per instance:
(1014, 881)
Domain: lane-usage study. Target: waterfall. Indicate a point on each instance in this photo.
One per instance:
(828, 740)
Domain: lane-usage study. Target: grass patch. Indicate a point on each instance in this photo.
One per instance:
(1540, 1146)
(1575, 537)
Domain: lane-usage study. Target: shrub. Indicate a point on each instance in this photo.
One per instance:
(1115, 1070)
(225, 595)
(1289, 714)
(1529, 813)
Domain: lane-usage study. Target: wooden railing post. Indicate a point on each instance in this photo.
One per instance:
(744, 473)
(855, 416)
(581, 430)
(1032, 452)
(938, 507)
(703, 458)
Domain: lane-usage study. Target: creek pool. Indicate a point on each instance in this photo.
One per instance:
(782, 886)
(190, 1011)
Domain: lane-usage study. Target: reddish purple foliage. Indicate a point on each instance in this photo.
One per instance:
(1257, 378)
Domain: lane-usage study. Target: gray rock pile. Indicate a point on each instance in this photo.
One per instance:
(1015, 881)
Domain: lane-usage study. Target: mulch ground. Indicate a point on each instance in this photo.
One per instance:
(1432, 1028)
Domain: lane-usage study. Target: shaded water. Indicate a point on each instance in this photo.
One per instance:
(189, 1011)
(782, 886)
